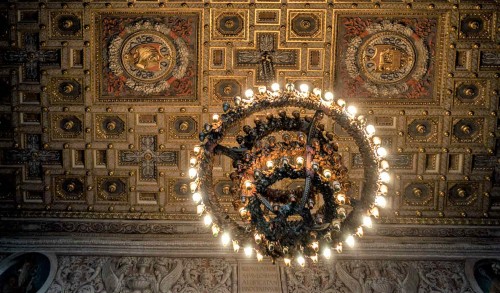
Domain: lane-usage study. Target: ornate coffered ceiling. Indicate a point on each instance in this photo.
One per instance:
(101, 102)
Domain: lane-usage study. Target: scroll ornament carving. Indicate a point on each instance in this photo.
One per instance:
(379, 277)
(141, 275)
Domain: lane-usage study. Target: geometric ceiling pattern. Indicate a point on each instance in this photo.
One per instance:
(101, 102)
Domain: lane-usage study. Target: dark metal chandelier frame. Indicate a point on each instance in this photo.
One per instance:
(289, 223)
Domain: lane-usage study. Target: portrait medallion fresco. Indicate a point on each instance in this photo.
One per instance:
(386, 58)
(148, 59)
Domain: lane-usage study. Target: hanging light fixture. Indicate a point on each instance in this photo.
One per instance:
(291, 223)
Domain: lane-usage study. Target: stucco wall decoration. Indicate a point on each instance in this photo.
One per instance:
(388, 58)
(152, 58)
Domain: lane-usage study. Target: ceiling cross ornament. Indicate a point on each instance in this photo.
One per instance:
(33, 156)
(32, 58)
(148, 158)
(267, 57)
(284, 223)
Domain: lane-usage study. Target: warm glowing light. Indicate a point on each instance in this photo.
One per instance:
(236, 246)
(384, 165)
(192, 172)
(288, 261)
(376, 140)
(196, 197)
(341, 198)
(275, 87)
(248, 250)
(215, 118)
(215, 230)
(317, 91)
(367, 222)
(258, 238)
(207, 220)
(199, 209)
(385, 177)
(341, 102)
(327, 173)
(328, 96)
(338, 248)
(299, 161)
(350, 241)
(352, 110)
(243, 212)
(248, 184)
(380, 201)
(301, 260)
(383, 189)
(197, 150)
(249, 93)
(381, 152)
(359, 231)
(304, 88)
(260, 257)
(225, 239)
(315, 245)
(193, 161)
(193, 186)
(270, 164)
(327, 252)
(370, 129)
(314, 258)
(374, 212)
(262, 89)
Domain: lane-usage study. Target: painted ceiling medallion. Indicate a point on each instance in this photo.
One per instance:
(149, 56)
(387, 57)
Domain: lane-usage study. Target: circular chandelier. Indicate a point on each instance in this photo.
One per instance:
(315, 218)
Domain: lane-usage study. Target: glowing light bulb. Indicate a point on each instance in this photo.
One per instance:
(248, 184)
(327, 253)
(367, 222)
(376, 140)
(352, 110)
(301, 260)
(225, 239)
(374, 212)
(197, 150)
(327, 173)
(341, 198)
(199, 209)
(370, 129)
(341, 102)
(384, 165)
(385, 177)
(383, 189)
(328, 97)
(248, 250)
(249, 93)
(215, 230)
(262, 89)
(258, 238)
(270, 164)
(275, 86)
(380, 201)
(288, 261)
(350, 241)
(192, 172)
(193, 161)
(314, 258)
(236, 246)
(259, 255)
(299, 161)
(381, 152)
(196, 197)
(243, 212)
(215, 118)
(304, 88)
(207, 220)
(338, 248)
(315, 245)
(193, 186)
(359, 231)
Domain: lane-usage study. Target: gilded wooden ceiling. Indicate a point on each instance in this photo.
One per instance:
(101, 102)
